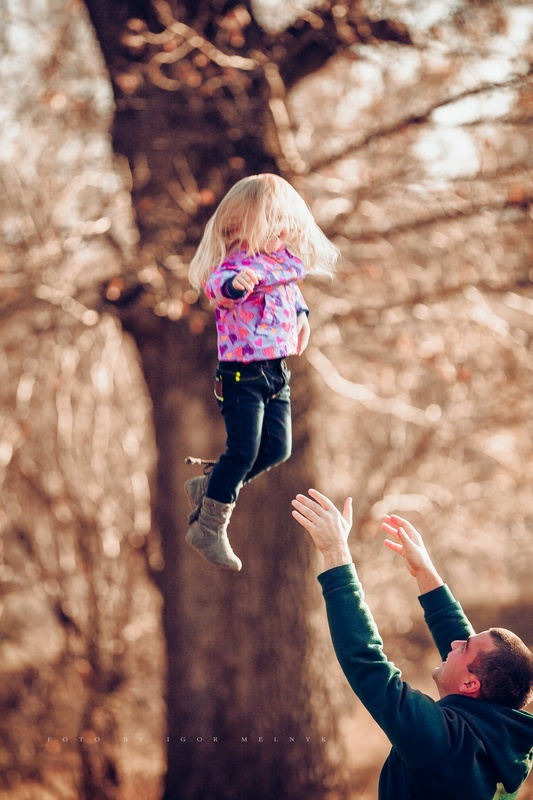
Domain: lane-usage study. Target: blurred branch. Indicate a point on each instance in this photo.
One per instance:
(362, 394)
(185, 40)
(482, 314)
(288, 150)
(17, 298)
(467, 209)
(339, 309)
(400, 125)
(18, 198)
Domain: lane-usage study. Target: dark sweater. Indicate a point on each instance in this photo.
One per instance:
(457, 748)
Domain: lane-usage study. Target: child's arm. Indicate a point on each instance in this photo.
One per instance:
(300, 303)
(224, 286)
(304, 332)
(302, 314)
(247, 279)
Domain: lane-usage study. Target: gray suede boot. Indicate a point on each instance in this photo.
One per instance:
(208, 536)
(195, 488)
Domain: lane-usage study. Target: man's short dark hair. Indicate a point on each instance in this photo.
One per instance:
(506, 673)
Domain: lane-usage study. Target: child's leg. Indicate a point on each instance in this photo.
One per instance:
(195, 489)
(244, 389)
(276, 434)
(208, 534)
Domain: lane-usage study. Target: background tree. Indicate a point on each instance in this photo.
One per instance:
(247, 674)
(406, 129)
(79, 616)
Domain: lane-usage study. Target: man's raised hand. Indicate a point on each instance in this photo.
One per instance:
(329, 528)
(408, 543)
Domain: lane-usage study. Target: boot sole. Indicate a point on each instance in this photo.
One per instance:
(228, 567)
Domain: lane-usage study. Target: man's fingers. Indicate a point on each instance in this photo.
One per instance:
(319, 510)
(304, 522)
(347, 511)
(305, 506)
(406, 537)
(321, 499)
(396, 546)
(303, 499)
(390, 529)
(400, 522)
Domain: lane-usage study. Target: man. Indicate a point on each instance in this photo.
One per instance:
(474, 743)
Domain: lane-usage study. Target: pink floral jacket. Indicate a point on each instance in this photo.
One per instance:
(258, 325)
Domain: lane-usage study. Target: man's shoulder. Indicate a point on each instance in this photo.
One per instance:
(480, 715)
(502, 737)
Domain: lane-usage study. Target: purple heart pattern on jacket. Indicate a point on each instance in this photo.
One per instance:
(261, 324)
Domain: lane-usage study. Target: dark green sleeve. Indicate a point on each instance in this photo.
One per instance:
(415, 724)
(445, 618)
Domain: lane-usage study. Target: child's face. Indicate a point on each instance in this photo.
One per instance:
(277, 242)
(231, 233)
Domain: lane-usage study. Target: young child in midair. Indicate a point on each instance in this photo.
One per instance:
(259, 244)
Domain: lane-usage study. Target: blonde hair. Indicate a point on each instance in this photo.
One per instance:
(256, 210)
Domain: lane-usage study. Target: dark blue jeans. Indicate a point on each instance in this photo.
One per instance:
(255, 402)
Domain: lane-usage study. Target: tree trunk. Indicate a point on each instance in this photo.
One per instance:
(245, 697)
(249, 712)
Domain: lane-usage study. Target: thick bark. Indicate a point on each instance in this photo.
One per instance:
(245, 698)
(241, 676)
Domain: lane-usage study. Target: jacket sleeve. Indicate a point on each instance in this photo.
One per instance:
(215, 290)
(445, 618)
(415, 724)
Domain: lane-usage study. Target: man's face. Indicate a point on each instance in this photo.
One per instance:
(453, 676)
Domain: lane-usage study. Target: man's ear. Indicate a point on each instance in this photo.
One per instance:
(471, 687)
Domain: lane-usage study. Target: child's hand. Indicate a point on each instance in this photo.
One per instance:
(245, 280)
(304, 332)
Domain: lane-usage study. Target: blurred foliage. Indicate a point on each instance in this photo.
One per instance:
(79, 616)
(407, 128)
